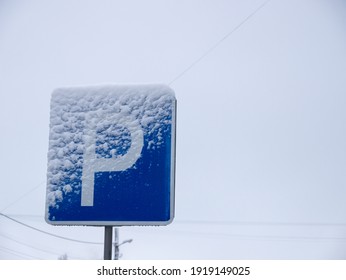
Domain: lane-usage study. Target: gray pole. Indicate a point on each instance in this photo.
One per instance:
(107, 255)
(116, 243)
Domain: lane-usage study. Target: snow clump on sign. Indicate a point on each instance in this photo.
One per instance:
(110, 113)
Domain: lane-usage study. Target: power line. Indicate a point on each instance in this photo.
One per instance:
(18, 254)
(260, 237)
(35, 248)
(27, 245)
(22, 196)
(260, 223)
(229, 222)
(268, 237)
(208, 51)
(48, 233)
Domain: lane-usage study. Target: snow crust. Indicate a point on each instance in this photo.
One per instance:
(113, 111)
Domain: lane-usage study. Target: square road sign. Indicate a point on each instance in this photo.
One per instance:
(111, 158)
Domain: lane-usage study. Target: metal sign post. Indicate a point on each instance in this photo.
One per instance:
(107, 255)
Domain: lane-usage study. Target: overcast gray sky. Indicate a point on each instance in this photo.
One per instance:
(261, 151)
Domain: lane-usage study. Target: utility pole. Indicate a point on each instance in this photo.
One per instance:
(117, 244)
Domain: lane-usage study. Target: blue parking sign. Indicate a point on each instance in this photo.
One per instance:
(111, 158)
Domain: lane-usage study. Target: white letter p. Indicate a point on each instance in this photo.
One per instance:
(92, 164)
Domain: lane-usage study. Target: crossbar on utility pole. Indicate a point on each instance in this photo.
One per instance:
(107, 255)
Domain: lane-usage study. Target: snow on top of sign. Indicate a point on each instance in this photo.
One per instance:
(76, 113)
